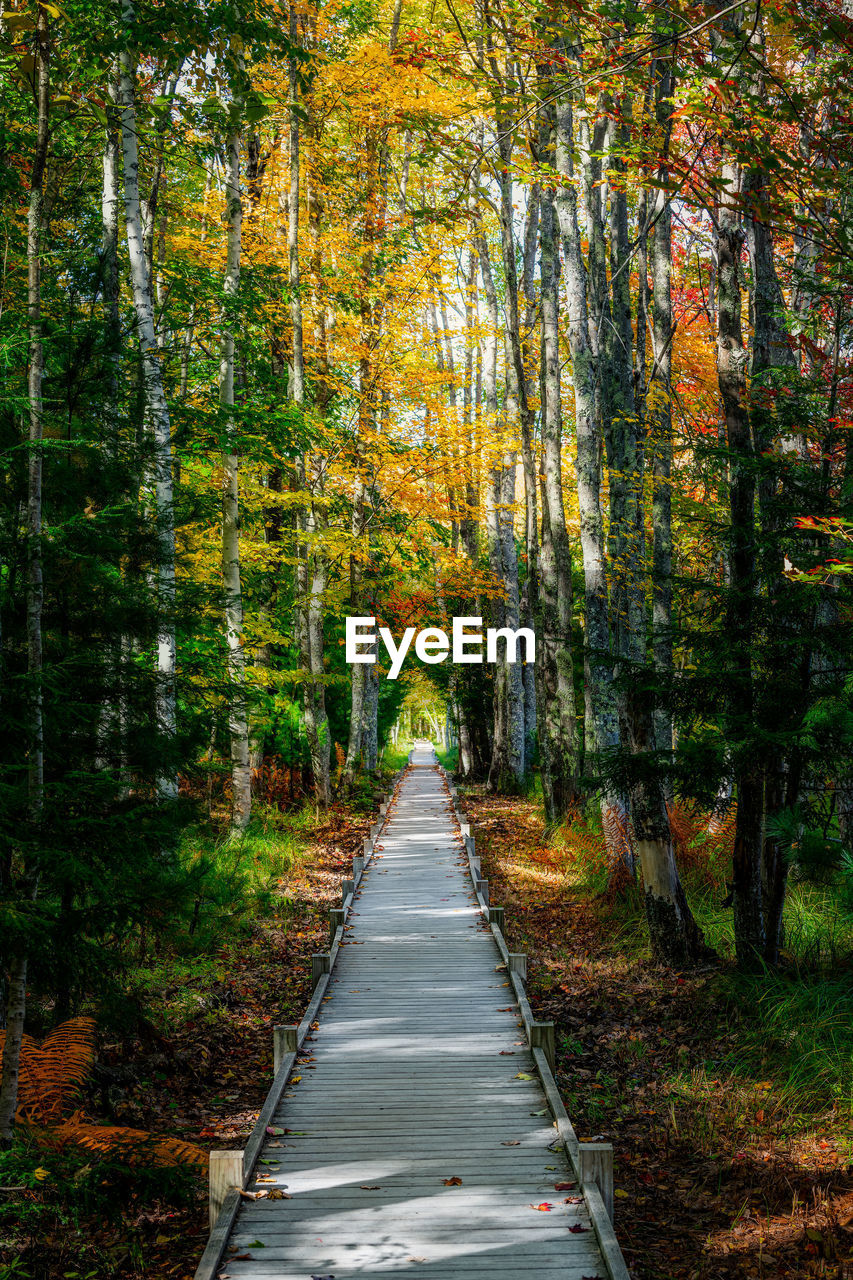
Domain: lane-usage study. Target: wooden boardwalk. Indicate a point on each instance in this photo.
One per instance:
(413, 1135)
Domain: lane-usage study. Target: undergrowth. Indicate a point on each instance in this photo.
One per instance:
(97, 1216)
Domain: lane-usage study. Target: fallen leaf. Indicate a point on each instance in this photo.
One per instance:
(274, 1131)
(254, 1195)
(563, 1186)
(279, 1195)
(256, 1244)
(376, 1188)
(522, 1075)
(453, 1182)
(576, 1228)
(544, 1207)
(513, 1142)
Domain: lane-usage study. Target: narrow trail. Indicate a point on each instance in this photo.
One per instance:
(414, 1136)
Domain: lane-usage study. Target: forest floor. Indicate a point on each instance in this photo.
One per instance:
(197, 1067)
(722, 1171)
(728, 1164)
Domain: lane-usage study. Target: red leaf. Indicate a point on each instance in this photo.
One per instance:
(544, 1207)
(453, 1182)
(576, 1228)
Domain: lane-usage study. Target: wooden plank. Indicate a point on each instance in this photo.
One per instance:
(548, 1267)
(225, 1172)
(218, 1238)
(407, 1076)
(596, 1166)
(284, 1040)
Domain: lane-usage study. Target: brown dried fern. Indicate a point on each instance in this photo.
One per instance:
(620, 847)
(133, 1146)
(52, 1074)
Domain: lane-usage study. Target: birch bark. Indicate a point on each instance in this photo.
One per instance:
(312, 572)
(156, 413)
(731, 379)
(661, 415)
(601, 714)
(238, 727)
(557, 727)
(506, 770)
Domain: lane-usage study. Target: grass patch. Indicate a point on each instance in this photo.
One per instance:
(797, 1030)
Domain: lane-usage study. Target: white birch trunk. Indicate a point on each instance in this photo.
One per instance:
(113, 715)
(311, 574)
(241, 774)
(557, 730)
(156, 415)
(508, 747)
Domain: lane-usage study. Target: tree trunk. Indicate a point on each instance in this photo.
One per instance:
(674, 935)
(506, 770)
(556, 705)
(661, 420)
(370, 728)
(601, 710)
(16, 992)
(358, 670)
(731, 378)
(156, 416)
(311, 571)
(241, 774)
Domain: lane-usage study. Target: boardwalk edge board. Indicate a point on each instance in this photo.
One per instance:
(591, 1163)
(227, 1213)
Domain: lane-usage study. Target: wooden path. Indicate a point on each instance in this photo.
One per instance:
(415, 1132)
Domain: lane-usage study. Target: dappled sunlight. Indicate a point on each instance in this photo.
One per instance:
(730, 1098)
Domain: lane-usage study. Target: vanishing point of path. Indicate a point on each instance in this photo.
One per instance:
(416, 1137)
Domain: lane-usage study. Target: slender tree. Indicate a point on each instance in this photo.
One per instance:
(157, 415)
(16, 992)
(241, 774)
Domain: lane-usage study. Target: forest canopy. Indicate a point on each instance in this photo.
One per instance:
(535, 313)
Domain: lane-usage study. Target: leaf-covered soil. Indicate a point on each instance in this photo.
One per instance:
(716, 1177)
(716, 1174)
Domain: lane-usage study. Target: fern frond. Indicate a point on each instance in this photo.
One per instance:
(619, 843)
(133, 1146)
(51, 1074)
